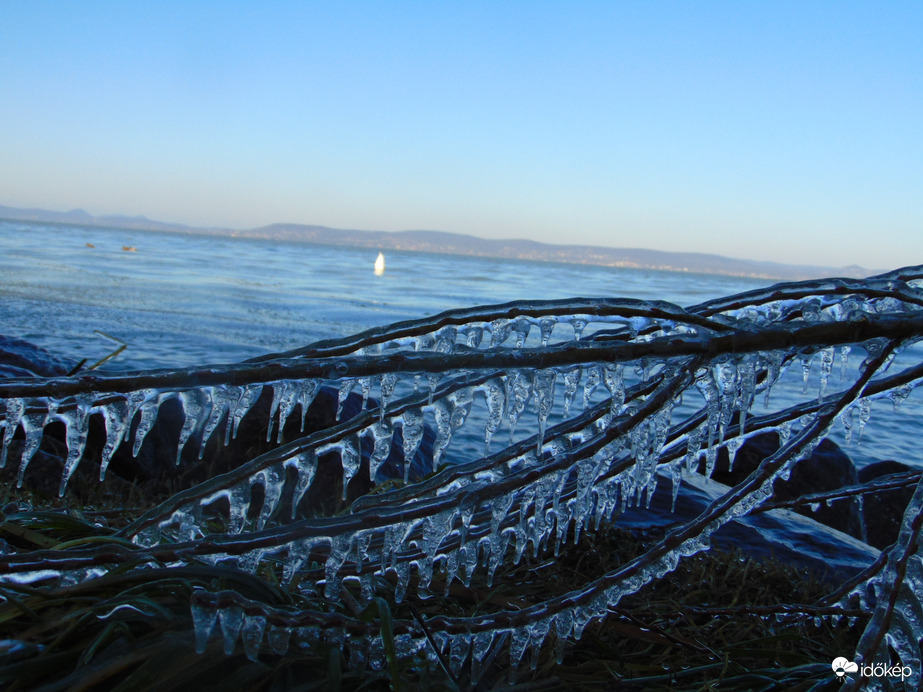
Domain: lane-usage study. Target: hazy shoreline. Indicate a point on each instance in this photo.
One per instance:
(440, 242)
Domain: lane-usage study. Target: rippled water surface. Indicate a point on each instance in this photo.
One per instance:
(181, 300)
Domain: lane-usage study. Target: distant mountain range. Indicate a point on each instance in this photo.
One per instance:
(460, 244)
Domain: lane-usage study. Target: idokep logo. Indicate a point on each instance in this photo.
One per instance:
(841, 666)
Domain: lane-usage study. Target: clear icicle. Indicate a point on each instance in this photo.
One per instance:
(78, 425)
(579, 324)
(613, 377)
(252, 635)
(115, 415)
(592, 382)
(499, 331)
(546, 326)
(571, 382)
(14, 412)
(306, 465)
(806, 370)
(346, 386)
(231, 620)
(520, 391)
(826, 367)
(33, 424)
(496, 404)
(150, 405)
(443, 415)
(382, 433)
(865, 413)
(307, 390)
(521, 329)
(412, 430)
(273, 482)
(194, 403)
(387, 385)
(203, 622)
(543, 386)
(217, 396)
(351, 458)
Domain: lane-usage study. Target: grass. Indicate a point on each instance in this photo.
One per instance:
(710, 624)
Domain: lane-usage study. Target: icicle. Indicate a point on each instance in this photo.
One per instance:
(847, 419)
(496, 403)
(459, 650)
(346, 386)
(899, 396)
(592, 382)
(382, 434)
(339, 549)
(571, 382)
(239, 501)
(149, 407)
(613, 374)
(306, 392)
(519, 640)
(78, 424)
(543, 386)
(231, 619)
(806, 370)
(306, 465)
(521, 329)
(387, 384)
(13, 415)
(563, 627)
(194, 402)
(278, 638)
(402, 570)
(249, 394)
(499, 331)
(579, 324)
(117, 420)
(481, 644)
(443, 416)
(218, 397)
(412, 430)
(288, 399)
(844, 360)
(273, 481)
(826, 367)
(474, 336)
(33, 425)
(445, 339)
(546, 326)
(203, 622)
(252, 635)
(865, 413)
(537, 639)
(432, 381)
(520, 391)
(351, 458)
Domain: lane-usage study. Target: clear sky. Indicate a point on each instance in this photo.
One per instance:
(786, 131)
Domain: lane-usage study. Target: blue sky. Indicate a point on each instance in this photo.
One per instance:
(786, 131)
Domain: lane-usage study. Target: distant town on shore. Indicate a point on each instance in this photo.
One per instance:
(440, 242)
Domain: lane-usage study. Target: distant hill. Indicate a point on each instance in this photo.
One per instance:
(460, 244)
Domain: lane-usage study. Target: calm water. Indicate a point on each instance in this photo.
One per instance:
(184, 300)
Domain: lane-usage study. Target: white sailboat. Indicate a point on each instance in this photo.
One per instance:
(380, 264)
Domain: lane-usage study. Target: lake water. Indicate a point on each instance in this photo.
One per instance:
(182, 300)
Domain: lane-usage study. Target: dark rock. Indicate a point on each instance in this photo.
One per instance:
(19, 358)
(828, 468)
(883, 511)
